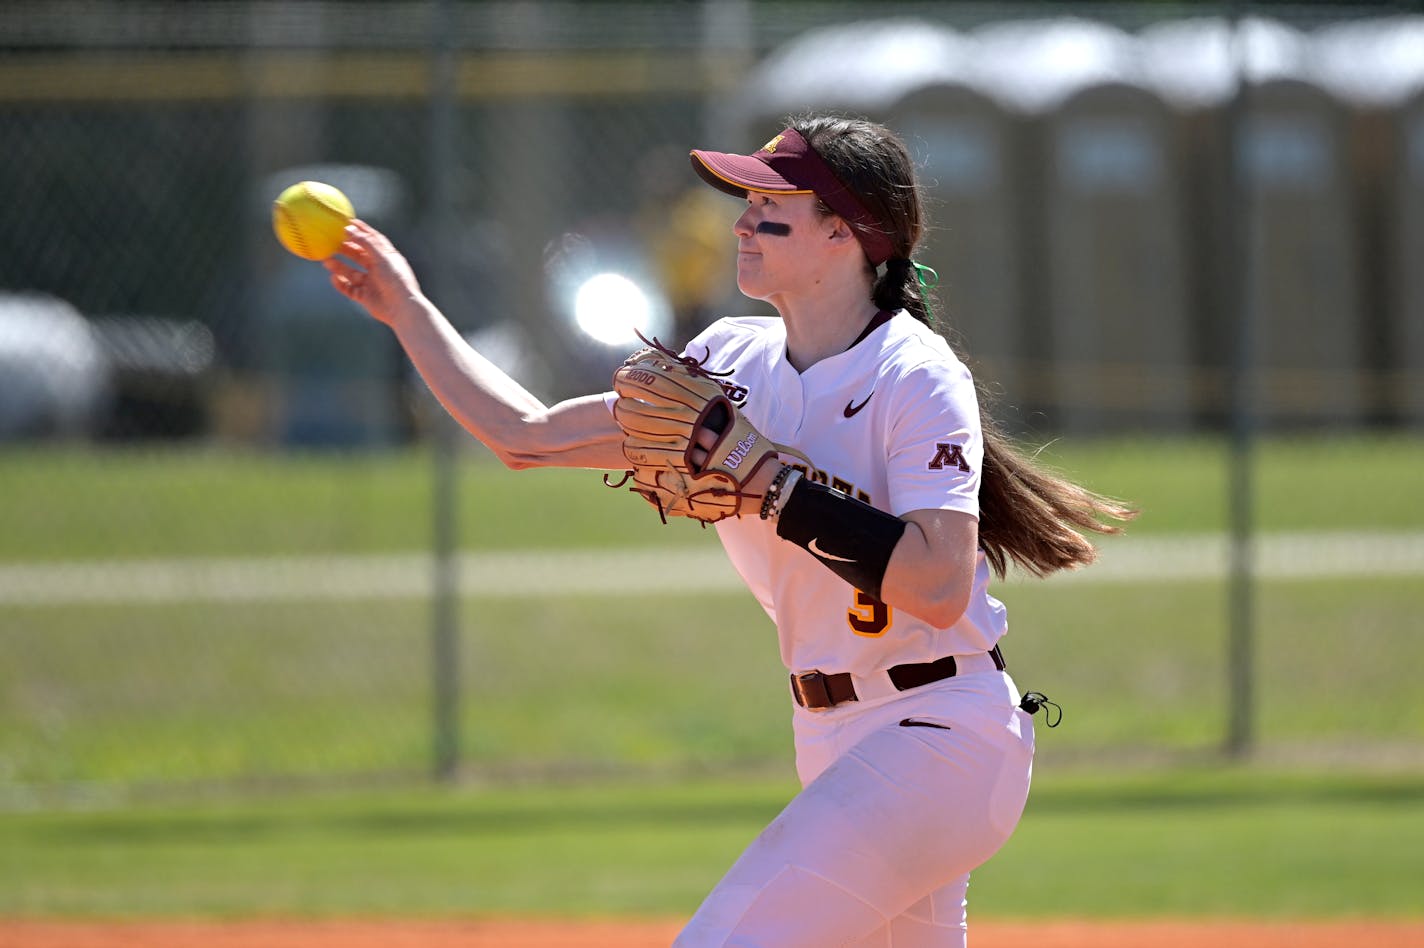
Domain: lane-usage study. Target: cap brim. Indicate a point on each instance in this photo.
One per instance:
(738, 174)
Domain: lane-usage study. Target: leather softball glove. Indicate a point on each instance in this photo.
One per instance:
(664, 400)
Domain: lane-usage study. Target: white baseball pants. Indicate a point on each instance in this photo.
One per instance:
(876, 850)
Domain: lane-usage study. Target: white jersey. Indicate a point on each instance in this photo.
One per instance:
(893, 421)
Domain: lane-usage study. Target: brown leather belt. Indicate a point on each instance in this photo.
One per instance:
(817, 691)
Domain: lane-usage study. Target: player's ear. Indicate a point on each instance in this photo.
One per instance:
(838, 230)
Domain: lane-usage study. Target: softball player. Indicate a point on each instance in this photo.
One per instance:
(873, 561)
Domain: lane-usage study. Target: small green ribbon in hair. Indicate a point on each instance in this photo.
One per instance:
(928, 279)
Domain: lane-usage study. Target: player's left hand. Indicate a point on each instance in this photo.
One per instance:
(693, 454)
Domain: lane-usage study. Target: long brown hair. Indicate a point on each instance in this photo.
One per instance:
(1027, 514)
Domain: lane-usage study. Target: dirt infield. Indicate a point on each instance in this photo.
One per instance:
(655, 934)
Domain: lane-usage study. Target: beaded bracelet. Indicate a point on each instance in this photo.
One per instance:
(773, 491)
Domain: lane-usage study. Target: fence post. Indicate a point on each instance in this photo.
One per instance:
(445, 632)
(1243, 235)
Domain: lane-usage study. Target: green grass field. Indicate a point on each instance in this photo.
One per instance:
(189, 692)
(1197, 842)
(75, 503)
(179, 757)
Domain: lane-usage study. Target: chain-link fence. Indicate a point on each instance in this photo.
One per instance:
(216, 472)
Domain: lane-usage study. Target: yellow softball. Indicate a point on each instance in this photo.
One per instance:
(310, 219)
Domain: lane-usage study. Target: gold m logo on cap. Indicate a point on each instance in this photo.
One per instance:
(770, 147)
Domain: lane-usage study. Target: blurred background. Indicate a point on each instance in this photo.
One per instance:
(241, 548)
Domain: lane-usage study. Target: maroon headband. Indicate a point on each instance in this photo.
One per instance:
(788, 165)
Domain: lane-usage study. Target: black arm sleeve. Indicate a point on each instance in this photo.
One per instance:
(853, 539)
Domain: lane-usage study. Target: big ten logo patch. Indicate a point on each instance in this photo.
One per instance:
(948, 455)
(737, 393)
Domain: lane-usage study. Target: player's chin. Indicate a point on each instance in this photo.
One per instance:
(749, 278)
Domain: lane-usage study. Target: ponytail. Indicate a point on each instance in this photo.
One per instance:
(1032, 517)
(900, 287)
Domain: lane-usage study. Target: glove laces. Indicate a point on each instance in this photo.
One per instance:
(695, 366)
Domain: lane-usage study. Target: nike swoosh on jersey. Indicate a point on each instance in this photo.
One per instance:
(851, 408)
(816, 549)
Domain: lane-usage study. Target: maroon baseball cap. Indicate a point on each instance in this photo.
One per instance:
(789, 165)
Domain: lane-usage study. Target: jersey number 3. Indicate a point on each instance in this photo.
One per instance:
(869, 616)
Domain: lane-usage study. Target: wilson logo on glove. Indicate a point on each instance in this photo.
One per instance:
(740, 452)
